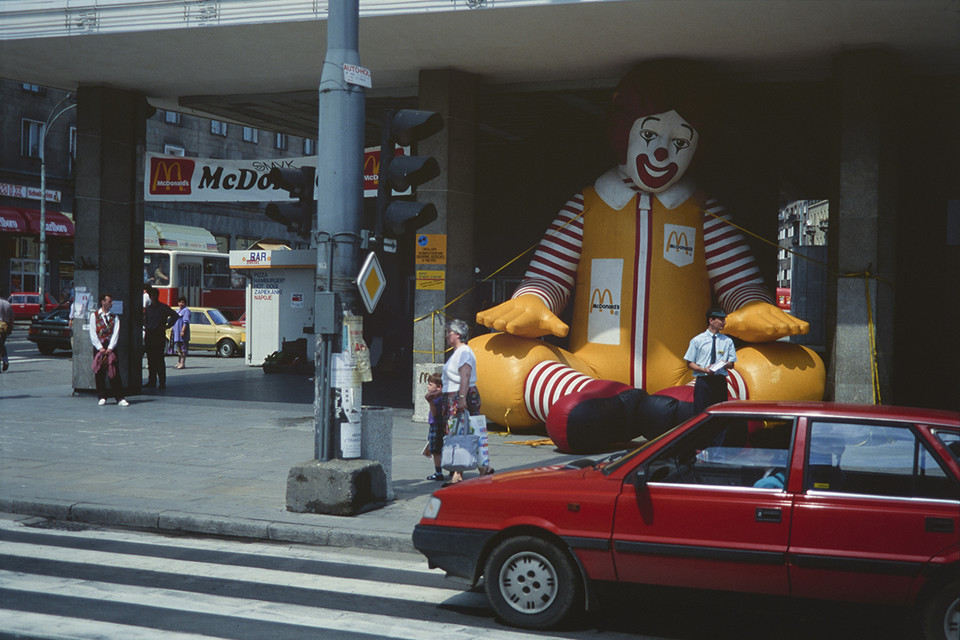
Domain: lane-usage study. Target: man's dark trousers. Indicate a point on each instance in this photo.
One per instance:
(708, 390)
(155, 343)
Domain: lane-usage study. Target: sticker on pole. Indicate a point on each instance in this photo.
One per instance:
(355, 74)
(371, 282)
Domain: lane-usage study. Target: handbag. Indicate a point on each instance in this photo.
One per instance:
(460, 452)
(460, 447)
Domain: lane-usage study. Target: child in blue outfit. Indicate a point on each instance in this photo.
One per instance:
(437, 422)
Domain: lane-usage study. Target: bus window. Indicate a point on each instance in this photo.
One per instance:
(216, 273)
(156, 269)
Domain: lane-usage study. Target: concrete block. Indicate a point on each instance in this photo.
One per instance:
(336, 487)
(376, 441)
(421, 409)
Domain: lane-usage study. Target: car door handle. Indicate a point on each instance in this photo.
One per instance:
(767, 514)
(939, 525)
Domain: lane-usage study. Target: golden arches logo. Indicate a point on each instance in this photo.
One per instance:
(603, 301)
(371, 164)
(679, 242)
(170, 176)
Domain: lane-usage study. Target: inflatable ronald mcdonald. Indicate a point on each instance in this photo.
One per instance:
(642, 254)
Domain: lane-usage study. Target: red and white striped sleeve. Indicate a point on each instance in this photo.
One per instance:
(734, 276)
(553, 268)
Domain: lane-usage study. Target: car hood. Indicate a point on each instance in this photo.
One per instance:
(556, 497)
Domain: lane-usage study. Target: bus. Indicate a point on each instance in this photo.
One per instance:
(184, 261)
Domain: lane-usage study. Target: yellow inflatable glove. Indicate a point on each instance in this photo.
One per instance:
(526, 316)
(781, 371)
(763, 322)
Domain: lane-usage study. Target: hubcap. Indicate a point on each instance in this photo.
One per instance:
(951, 621)
(528, 582)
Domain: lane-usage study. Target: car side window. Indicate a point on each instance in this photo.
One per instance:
(730, 451)
(874, 459)
(950, 440)
(197, 317)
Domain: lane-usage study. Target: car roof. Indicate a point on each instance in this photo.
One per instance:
(840, 410)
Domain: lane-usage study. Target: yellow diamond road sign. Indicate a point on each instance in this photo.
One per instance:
(371, 282)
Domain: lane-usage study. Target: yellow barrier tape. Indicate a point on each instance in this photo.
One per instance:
(539, 442)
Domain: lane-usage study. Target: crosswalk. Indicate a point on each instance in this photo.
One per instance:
(57, 584)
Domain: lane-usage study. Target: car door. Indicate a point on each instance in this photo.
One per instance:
(710, 510)
(876, 506)
(202, 331)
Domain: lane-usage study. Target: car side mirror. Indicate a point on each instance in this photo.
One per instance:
(639, 479)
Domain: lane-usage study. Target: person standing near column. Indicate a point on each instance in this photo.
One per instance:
(6, 328)
(104, 335)
(157, 318)
(710, 356)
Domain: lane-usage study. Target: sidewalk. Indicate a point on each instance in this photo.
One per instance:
(209, 455)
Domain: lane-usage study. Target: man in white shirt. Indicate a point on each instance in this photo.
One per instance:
(710, 356)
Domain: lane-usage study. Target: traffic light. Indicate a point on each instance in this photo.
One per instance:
(404, 127)
(299, 183)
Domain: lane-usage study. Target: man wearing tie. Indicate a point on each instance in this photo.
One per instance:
(710, 356)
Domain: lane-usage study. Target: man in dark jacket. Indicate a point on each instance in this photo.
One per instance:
(157, 318)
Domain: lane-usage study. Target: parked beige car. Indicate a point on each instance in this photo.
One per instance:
(211, 331)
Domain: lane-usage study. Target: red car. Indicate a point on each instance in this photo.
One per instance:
(26, 304)
(809, 500)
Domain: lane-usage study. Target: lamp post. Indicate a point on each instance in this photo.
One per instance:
(61, 108)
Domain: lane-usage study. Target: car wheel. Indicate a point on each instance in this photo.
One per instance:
(226, 348)
(941, 613)
(531, 583)
(46, 349)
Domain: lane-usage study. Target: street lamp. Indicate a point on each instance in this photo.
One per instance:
(61, 108)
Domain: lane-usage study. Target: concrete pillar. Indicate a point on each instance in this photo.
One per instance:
(108, 249)
(863, 223)
(454, 95)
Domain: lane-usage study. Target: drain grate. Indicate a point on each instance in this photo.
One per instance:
(57, 525)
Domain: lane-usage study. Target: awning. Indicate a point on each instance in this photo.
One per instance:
(163, 235)
(11, 221)
(57, 223)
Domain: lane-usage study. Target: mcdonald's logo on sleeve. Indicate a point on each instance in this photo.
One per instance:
(170, 176)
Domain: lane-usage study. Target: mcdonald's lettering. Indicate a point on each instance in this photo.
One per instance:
(170, 176)
(243, 180)
(603, 301)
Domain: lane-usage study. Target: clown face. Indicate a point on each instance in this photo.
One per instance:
(659, 151)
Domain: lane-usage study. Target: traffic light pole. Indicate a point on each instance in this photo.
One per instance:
(339, 202)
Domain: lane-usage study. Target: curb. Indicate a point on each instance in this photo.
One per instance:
(192, 523)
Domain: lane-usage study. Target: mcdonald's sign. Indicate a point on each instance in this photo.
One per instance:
(679, 243)
(170, 176)
(601, 301)
(371, 170)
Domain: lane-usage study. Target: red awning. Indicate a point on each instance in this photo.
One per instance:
(11, 221)
(57, 223)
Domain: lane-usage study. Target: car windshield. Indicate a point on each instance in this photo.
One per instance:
(217, 317)
(614, 461)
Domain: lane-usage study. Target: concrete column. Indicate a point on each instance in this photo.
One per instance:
(108, 249)
(454, 95)
(863, 223)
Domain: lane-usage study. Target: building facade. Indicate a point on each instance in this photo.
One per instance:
(24, 121)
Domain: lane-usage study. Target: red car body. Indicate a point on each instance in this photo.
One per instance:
(856, 503)
(26, 304)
